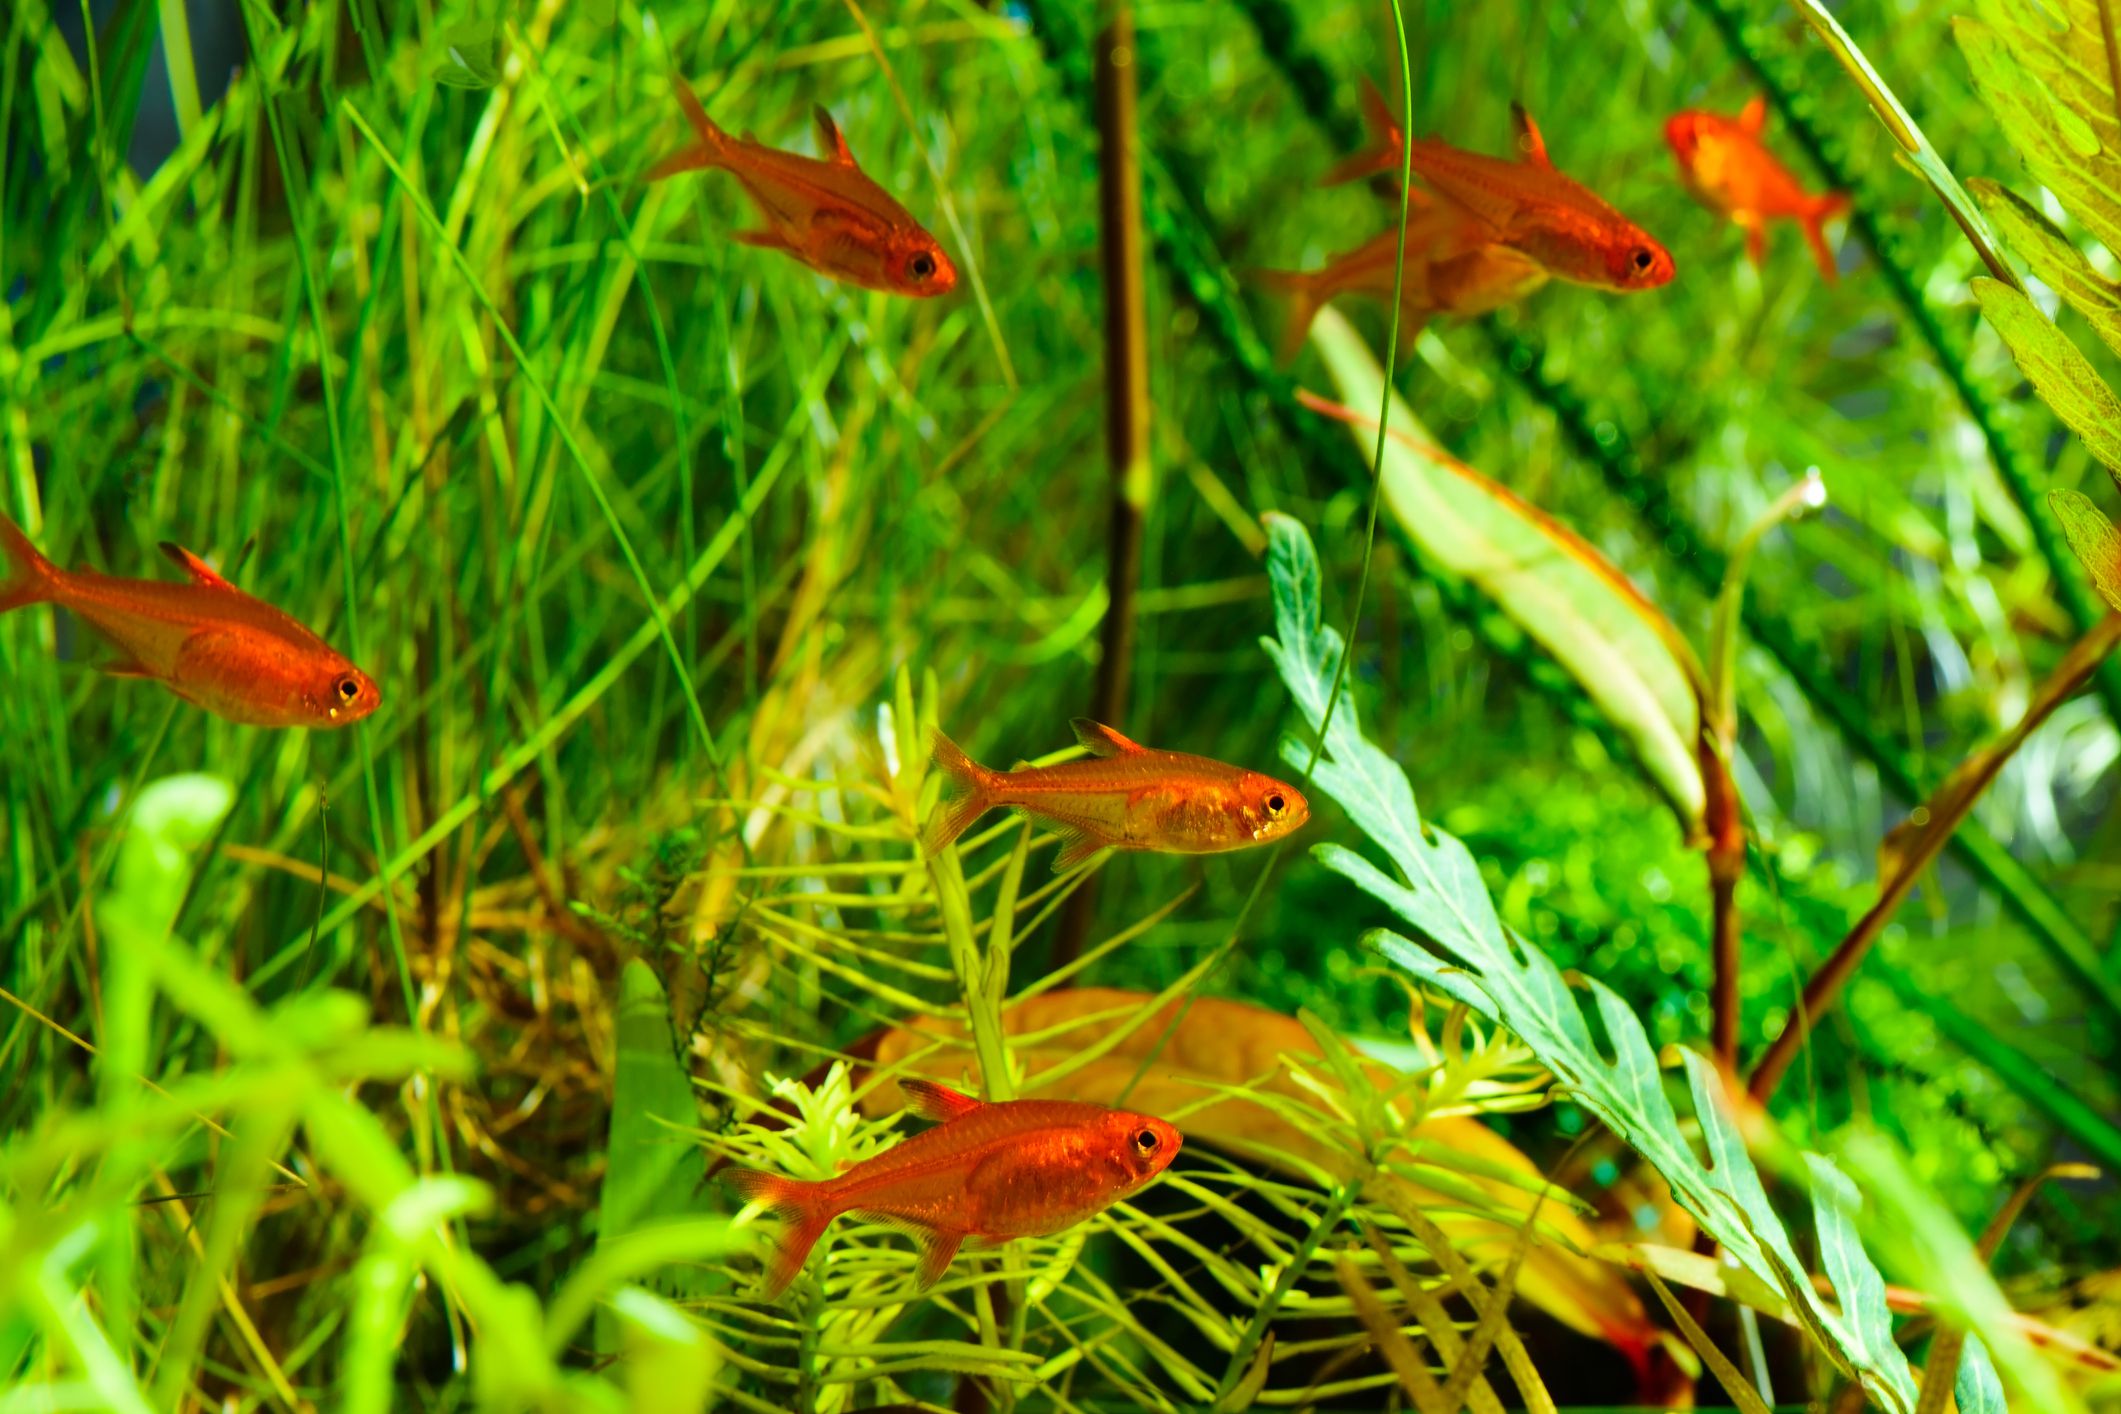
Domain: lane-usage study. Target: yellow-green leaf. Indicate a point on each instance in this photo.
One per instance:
(2060, 374)
(2093, 537)
(1560, 590)
(2055, 259)
(2048, 88)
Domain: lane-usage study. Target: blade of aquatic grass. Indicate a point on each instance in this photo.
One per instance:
(526, 369)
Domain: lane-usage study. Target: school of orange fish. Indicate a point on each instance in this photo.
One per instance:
(1484, 232)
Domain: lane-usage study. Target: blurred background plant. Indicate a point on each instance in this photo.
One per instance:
(386, 1069)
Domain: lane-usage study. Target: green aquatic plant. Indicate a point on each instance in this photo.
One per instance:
(1438, 892)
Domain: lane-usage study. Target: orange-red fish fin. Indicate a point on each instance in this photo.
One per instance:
(707, 152)
(764, 240)
(1099, 739)
(938, 1251)
(1813, 223)
(1752, 118)
(26, 577)
(974, 781)
(805, 1216)
(1383, 153)
(125, 667)
(1077, 849)
(928, 1100)
(1530, 145)
(199, 572)
(1755, 242)
(831, 140)
(1296, 291)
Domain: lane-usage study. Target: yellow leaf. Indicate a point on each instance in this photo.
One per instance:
(2047, 85)
(2055, 259)
(1223, 1043)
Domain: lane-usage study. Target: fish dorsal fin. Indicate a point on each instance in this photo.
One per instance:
(940, 1103)
(201, 573)
(1100, 740)
(1530, 145)
(831, 139)
(1753, 117)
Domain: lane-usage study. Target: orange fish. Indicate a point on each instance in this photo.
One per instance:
(1452, 268)
(1124, 797)
(1528, 205)
(1725, 164)
(1022, 1168)
(823, 211)
(207, 641)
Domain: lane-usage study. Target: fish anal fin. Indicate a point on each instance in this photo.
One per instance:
(932, 1101)
(1530, 145)
(938, 1250)
(1100, 740)
(1753, 117)
(1077, 849)
(199, 572)
(831, 139)
(1755, 242)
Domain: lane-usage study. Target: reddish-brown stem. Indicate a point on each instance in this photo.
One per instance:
(1126, 394)
(1939, 818)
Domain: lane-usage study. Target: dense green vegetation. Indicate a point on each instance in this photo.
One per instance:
(391, 1067)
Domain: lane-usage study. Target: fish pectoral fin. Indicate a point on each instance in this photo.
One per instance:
(764, 240)
(831, 140)
(1077, 849)
(928, 1100)
(1753, 117)
(1530, 145)
(198, 570)
(1099, 739)
(125, 667)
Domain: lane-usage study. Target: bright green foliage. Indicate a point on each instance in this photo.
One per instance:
(1440, 894)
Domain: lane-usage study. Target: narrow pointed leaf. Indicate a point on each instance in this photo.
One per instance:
(2060, 374)
(2093, 538)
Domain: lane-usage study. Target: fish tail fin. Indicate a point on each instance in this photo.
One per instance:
(1297, 293)
(26, 577)
(804, 1214)
(1822, 210)
(975, 785)
(1382, 155)
(708, 151)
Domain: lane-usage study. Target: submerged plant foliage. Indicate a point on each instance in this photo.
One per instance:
(1731, 1020)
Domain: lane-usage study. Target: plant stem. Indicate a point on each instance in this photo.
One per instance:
(1941, 816)
(1126, 395)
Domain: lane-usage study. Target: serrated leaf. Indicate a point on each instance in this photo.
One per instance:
(655, 1171)
(1553, 583)
(2047, 85)
(1439, 892)
(2054, 258)
(2093, 538)
(2060, 374)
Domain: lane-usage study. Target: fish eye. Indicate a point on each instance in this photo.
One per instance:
(349, 688)
(1275, 805)
(922, 266)
(1146, 1141)
(1643, 260)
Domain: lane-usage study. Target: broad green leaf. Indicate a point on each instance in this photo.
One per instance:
(2093, 537)
(2047, 86)
(1930, 1251)
(2055, 259)
(655, 1172)
(1439, 893)
(470, 55)
(2060, 374)
(1235, 1050)
(1562, 592)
